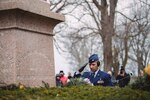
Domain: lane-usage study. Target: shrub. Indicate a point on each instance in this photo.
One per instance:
(75, 93)
(77, 82)
(46, 85)
(9, 87)
(143, 82)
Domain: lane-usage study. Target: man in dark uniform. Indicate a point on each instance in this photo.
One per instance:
(95, 76)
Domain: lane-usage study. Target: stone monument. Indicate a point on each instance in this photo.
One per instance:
(26, 42)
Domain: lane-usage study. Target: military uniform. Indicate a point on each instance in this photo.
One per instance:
(98, 77)
(101, 78)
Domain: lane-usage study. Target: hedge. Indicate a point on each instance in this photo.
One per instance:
(75, 93)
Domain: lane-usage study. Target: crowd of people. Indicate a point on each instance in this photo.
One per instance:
(95, 76)
(61, 79)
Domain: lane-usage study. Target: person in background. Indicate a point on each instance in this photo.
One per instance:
(110, 73)
(123, 78)
(58, 81)
(95, 76)
(63, 78)
(113, 78)
(69, 75)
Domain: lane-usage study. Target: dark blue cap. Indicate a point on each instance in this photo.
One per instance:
(93, 58)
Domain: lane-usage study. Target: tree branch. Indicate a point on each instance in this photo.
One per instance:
(97, 5)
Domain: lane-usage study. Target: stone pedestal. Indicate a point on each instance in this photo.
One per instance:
(26, 42)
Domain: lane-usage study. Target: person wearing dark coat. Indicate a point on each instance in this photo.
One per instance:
(95, 76)
(123, 78)
(58, 81)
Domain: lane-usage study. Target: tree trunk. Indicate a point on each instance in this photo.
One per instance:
(116, 63)
(107, 29)
(107, 24)
(139, 61)
(107, 49)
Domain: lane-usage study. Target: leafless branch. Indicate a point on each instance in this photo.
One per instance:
(97, 4)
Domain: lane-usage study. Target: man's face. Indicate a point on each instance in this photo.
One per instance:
(61, 74)
(93, 66)
(122, 71)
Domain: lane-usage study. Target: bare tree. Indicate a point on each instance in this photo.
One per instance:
(103, 14)
(140, 41)
(79, 42)
(121, 46)
(136, 41)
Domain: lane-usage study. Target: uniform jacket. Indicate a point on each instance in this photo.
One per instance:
(101, 78)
